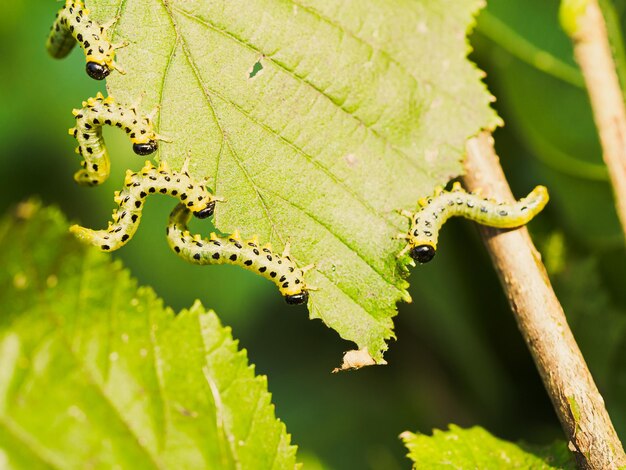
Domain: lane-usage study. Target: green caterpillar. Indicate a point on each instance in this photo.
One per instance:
(436, 210)
(137, 187)
(280, 269)
(97, 112)
(72, 24)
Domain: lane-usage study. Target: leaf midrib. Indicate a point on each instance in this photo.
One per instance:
(81, 366)
(34, 448)
(89, 376)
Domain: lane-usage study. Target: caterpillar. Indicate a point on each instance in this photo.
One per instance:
(72, 24)
(95, 113)
(434, 211)
(231, 249)
(137, 187)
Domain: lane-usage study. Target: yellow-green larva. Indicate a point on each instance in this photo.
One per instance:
(97, 112)
(436, 210)
(280, 269)
(137, 187)
(72, 25)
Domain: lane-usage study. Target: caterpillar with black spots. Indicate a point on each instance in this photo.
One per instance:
(434, 211)
(137, 187)
(100, 111)
(72, 25)
(231, 249)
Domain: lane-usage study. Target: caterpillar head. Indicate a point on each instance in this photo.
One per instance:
(145, 148)
(144, 138)
(422, 253)
(292, 285)
(100, 56)
(207, 211)
(297, 299)
(97, 71)
(200, 201)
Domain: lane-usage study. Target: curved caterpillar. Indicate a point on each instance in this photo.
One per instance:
(72, 24)
(280, 269)
(436, 210)
(95, 113)
(137, 187)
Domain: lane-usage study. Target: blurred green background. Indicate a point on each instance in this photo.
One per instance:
(459, 357)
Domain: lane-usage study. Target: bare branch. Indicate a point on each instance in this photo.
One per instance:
(541, 320)
(592, 50)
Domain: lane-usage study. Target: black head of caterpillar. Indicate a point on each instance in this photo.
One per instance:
(100, 111)
(280, 269)
(434, 211)
(137, 187)
(72, 24)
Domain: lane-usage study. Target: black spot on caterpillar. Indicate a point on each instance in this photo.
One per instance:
(97, 112)
(72, 24)
(280, 269)
(436, 210)
(137, 187)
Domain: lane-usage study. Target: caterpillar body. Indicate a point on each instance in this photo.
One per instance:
(137, 187)
(97, 112)
(436, 210)
(72, 24)
(231, 249)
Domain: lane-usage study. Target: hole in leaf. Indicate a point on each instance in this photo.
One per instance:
(256, 68)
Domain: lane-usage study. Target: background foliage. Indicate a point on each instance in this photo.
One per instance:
(476, 448)
(97, 373)
(459, 357)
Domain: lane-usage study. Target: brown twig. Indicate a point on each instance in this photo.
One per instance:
(541, 320)
(592, 50)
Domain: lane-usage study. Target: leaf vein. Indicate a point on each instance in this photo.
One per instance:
(339, 238)
(65, 340)
(256, 190)
(302, 79)
(165, 409)
(19, 435)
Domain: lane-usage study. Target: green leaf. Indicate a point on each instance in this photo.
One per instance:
(96, 372)
(316, 120)
(476, 448)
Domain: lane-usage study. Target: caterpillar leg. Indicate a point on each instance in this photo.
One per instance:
(100, 111)
(72, 24)
(137, 187)
(280, 269)
(405, 213)
(434, 211)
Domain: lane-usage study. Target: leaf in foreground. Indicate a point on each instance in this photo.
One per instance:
(95, 372)
(316, 120)
(476, 448)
